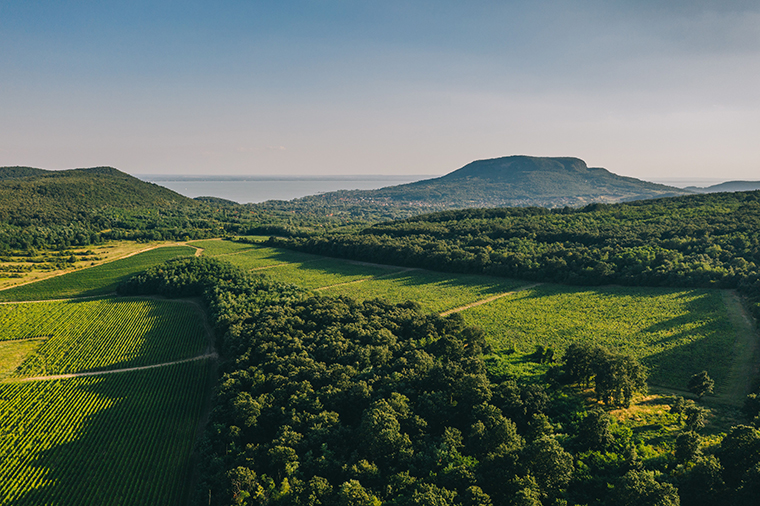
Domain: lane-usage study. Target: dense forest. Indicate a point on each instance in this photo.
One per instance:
(329, 401)
(706, 240)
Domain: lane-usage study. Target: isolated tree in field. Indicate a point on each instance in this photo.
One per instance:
(701, 384)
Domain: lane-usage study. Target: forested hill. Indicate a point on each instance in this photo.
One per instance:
(37, 196)
(698, 240)
(499, 182)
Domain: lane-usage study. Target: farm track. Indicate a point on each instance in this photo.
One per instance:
(489, 299)
(746, 347)
(212, 356)
(150, 248)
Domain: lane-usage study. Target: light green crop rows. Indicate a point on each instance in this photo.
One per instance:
(98, 280)
(676, 333)
(103, 334)
(325, 272)
(117, 439)
(435, 291)
(261, 257)
(216, 248)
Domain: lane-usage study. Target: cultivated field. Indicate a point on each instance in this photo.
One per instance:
(116, 439)
(675, 332)
(98, 280)
(78, 336)
(119, 426)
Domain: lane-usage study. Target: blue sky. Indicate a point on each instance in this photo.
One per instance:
(650, 89)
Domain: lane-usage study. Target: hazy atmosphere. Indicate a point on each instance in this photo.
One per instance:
(646, 89)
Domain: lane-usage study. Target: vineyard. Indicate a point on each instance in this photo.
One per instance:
(98, 280)
(434, 291)
(675, 332)
(118, 439)
(102, 334)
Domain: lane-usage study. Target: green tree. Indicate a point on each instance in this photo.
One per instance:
(701, 384)
(687, 447)
(641, 488)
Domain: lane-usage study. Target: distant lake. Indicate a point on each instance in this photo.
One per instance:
(261, 188)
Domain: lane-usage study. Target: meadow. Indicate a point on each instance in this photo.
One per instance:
(676, 333)
(79, 336)
(117, 439)
(99, 280)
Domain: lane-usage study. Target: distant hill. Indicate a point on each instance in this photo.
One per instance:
(509, 181)
(728, 186)
(37, 196)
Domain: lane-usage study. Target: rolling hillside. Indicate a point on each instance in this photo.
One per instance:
(29, 195)
(509, 181)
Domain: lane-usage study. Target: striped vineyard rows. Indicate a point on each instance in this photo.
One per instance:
(103, 334)
(113, 439)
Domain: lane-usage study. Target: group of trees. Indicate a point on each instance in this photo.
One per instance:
(331, 401)
(703, 240)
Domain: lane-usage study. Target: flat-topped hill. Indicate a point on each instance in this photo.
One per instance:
(508, 181)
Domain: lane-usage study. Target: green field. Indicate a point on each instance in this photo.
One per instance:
(258, 257)
(218, 247)
(98, 280)
(103, 334)
(435, 291)
(325, 272)
(116, 439)
(676, 333)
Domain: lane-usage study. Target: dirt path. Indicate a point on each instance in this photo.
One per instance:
(746, 346)
(489, 299)
(213, 356)
(149, 248)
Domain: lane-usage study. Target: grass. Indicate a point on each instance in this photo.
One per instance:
(219, 247)
(102, 334)
(257, 257)
(434, 291)
(98, 280)
(676, 333)
(120, 439)
(43, 265)
(13, 354)
(325, 272)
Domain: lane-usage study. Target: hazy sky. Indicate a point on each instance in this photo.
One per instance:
(650, 89)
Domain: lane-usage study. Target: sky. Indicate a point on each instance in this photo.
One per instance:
(649, 89)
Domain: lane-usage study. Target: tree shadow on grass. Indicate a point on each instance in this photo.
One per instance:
(134, 452)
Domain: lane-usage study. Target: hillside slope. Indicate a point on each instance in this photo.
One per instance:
(37, 196)
(509, 181)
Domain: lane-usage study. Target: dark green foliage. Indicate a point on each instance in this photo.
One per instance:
(641, 488)
(687, 447)
(616, 376)
(739, 453)
(695, 417)
(702, 240)
(701, 384)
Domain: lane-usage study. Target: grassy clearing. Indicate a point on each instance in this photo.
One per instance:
(676, 333)
(13, 354)
(102, 334)
(325, 272)
(98, 280)
(435, 291)
(120, 439)
(261, 257)
(219, 247)
(47, 264)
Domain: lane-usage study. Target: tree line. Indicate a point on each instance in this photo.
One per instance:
(701, 241)
(326, 400)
